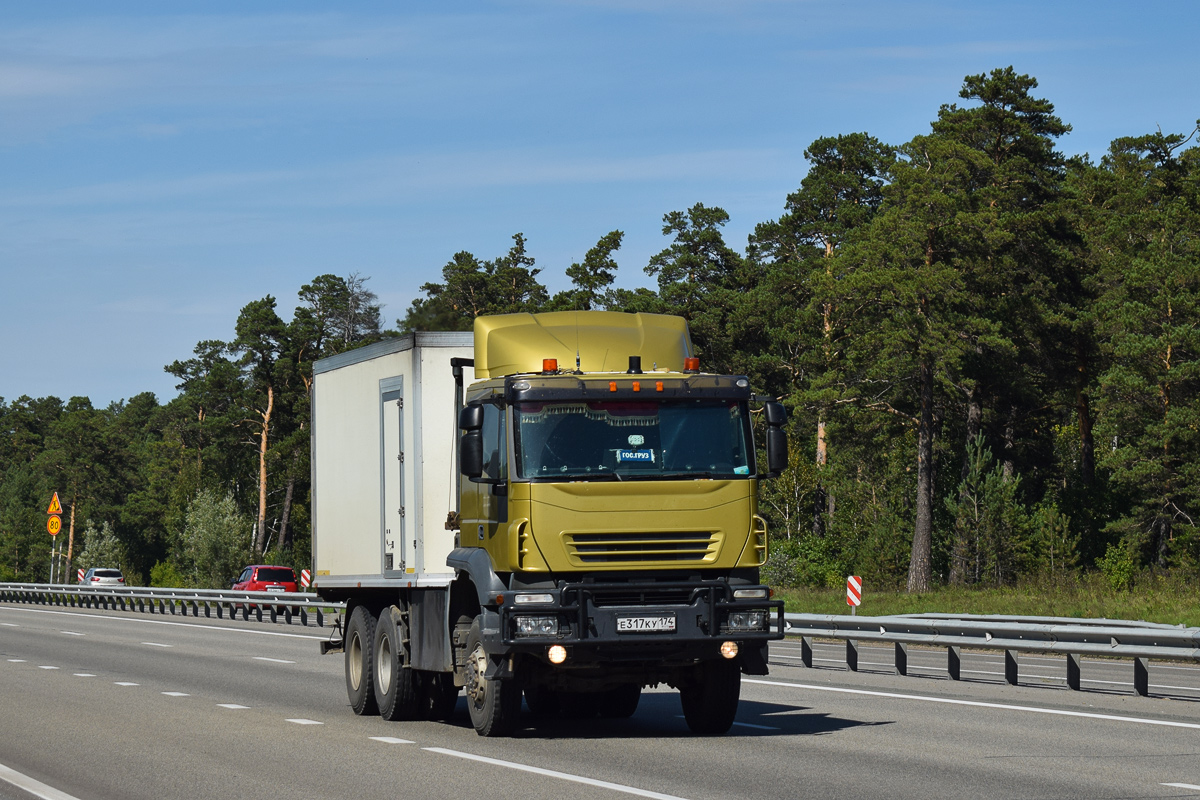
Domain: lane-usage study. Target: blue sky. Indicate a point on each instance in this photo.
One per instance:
(163, 164)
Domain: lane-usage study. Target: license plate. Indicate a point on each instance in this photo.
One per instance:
(276, 589)
(662, 623)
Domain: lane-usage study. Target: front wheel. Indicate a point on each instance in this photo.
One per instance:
(710, 701)
(360, 637)
(494, 705)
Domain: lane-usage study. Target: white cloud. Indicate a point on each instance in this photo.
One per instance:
(28, 80)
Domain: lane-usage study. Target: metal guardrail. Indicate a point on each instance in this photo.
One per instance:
(1073, 638)
(1068, 636)
(290, 606)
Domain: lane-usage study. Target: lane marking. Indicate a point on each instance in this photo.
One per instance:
(33, 787)
(125, 683)
(306, 722)
(743, 724)
(157, 644)
(1182, 786)
(274, 660)
(1024, 658)
(166, 622)
(10, 624)
(84, 675)
(566, 776)
(980, 704)
(231, 705)
(72, 633)
(16, 661)
(47, 667)
(758, 727)
(177, 694)
(391, 740)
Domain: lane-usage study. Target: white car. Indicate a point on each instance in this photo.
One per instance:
(103, 576)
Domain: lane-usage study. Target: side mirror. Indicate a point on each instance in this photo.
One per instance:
(777, 450)
(775, 412)
(470, 445)
(470, 453)
(471, 418)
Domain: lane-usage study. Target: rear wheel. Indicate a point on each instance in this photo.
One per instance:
(621, 702)
(494, 705)
(710, 702)
(439, 694)
(395, 686)
(579, 705)
(360, 636)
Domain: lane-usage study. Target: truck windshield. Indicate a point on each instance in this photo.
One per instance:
(623, 440)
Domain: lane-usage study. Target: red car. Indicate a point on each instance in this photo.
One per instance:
(266, 578)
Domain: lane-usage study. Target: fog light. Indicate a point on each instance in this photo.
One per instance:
(729, 649)
(537, 626)
(558, 654)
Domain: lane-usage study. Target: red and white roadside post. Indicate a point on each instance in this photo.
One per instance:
(853, 593)
(79, 575)
(305, 579)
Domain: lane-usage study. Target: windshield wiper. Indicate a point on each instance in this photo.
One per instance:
(561, 477)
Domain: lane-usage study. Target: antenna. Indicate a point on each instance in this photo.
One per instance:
(577, 369)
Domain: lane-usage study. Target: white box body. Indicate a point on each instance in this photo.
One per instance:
(383, 462)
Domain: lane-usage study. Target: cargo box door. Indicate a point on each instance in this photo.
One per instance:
(392, 472)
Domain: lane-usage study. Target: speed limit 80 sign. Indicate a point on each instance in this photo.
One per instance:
(54, 521)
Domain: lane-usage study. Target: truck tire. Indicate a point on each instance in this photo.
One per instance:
(579, 705)
(438, 694)
(395, 686)
(621, 702)
(710, 702)
(494, 705)
(360, 638)
(542, 702)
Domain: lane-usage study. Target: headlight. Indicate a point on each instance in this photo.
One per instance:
(537, 626)
(746, 621)
(750, 594)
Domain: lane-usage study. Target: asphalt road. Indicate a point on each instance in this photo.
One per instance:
(112, 706)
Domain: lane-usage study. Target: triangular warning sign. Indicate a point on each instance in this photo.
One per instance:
(55, 506)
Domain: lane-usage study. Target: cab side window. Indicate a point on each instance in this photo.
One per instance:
(495, 450)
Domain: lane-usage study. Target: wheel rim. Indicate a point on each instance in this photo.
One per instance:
(383, 663)
(355, 652)
(476, 667)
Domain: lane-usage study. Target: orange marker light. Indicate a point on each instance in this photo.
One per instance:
(637, 386)
(549, 365)
(612, 386)
(658, 386)
(691, 364)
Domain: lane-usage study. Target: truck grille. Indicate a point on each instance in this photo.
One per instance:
(655, 597)
(659, 547)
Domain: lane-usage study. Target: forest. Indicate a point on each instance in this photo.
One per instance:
(989, 352)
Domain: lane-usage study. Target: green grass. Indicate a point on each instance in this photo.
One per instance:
(1171, 600)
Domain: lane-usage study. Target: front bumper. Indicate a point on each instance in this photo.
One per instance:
(636, 621)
